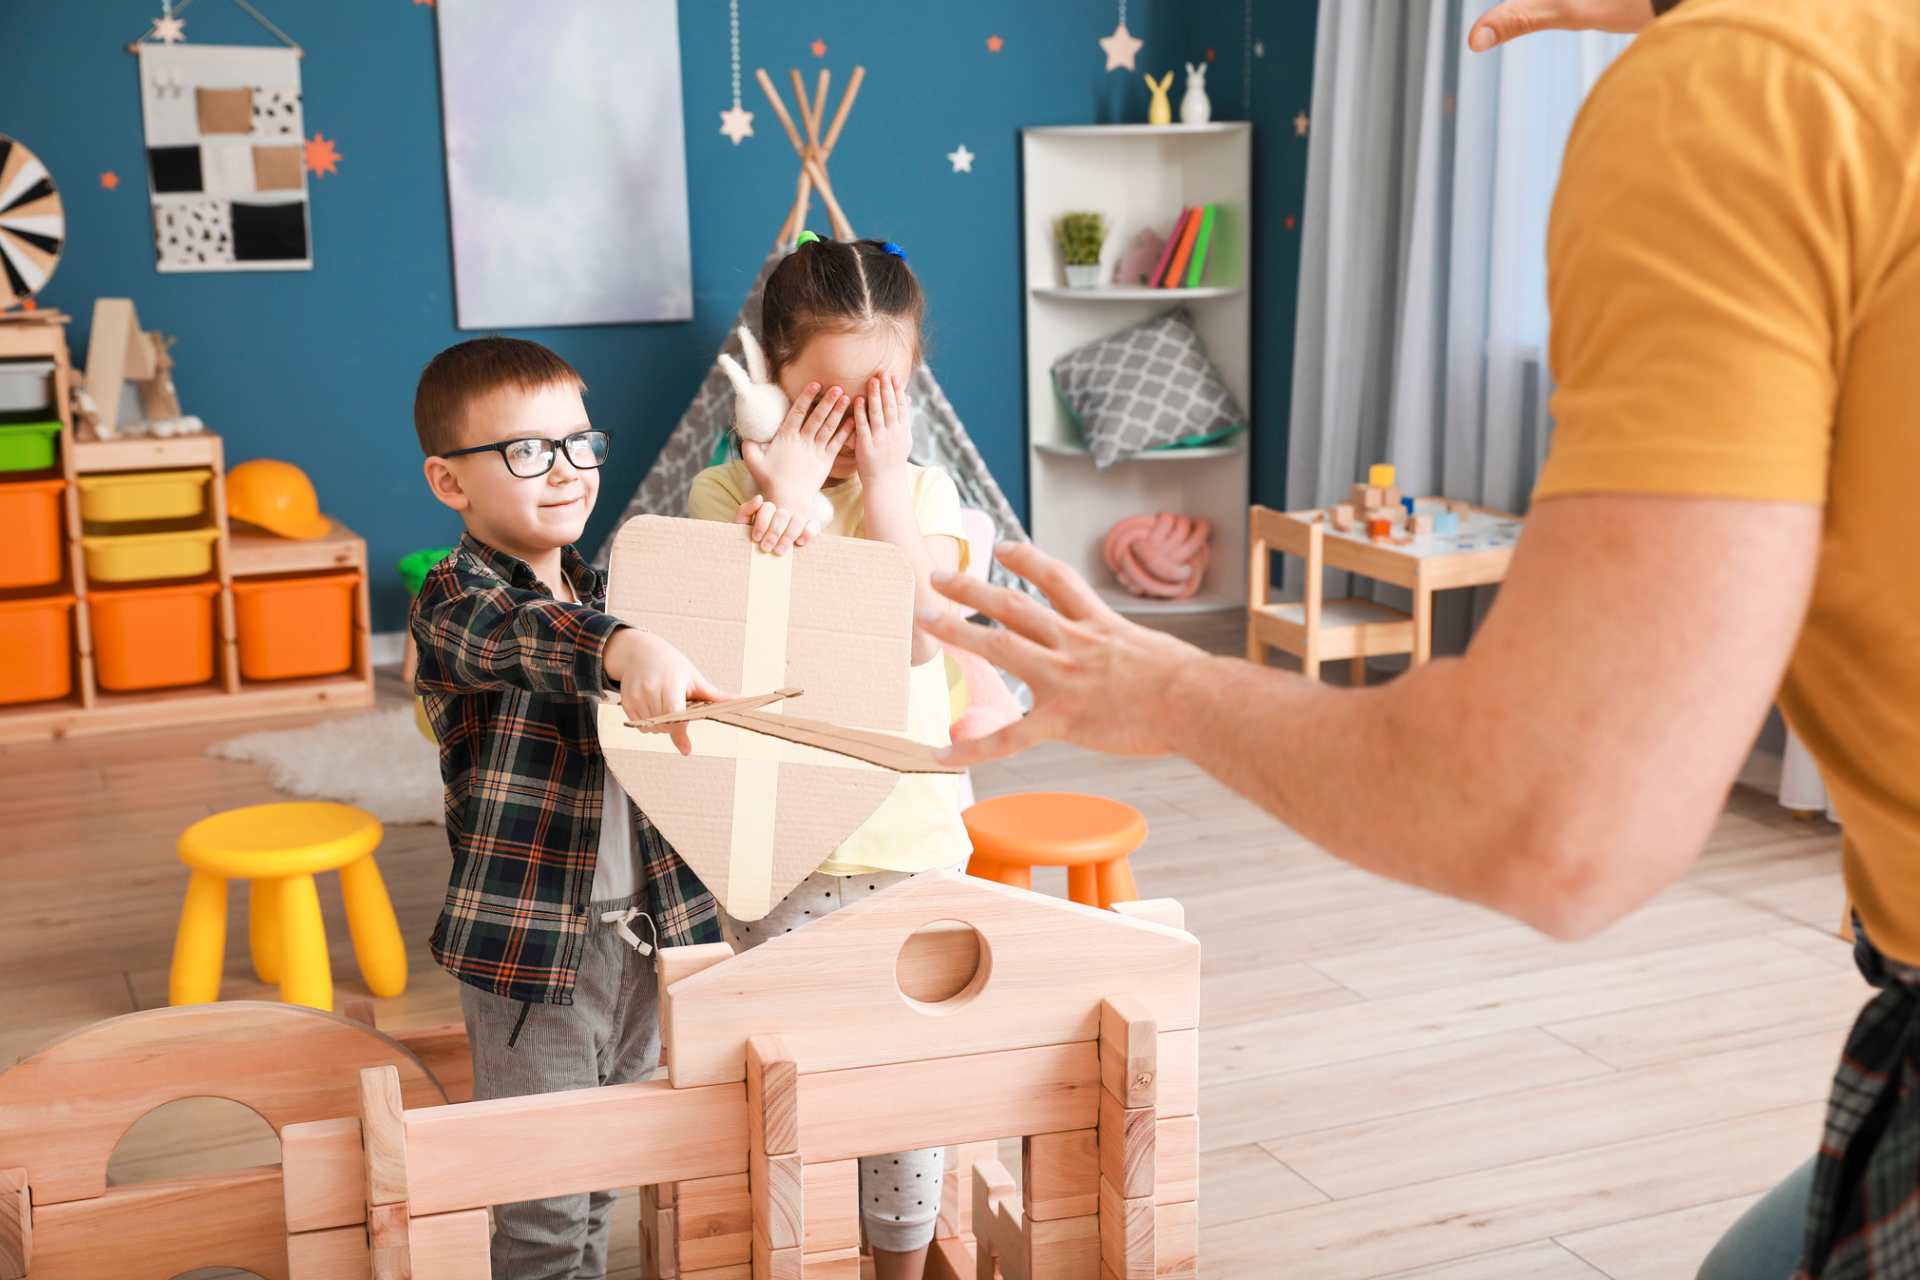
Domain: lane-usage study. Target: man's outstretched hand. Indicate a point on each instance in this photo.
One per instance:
(1516, 18)
(1097, 679)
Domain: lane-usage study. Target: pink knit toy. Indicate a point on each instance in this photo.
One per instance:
(1163, 557)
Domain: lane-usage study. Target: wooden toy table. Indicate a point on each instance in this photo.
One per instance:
(1476, 555)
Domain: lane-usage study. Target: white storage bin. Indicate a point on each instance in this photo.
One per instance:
(26, 386)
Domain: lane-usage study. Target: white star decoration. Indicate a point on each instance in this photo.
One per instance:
(962, 159)
(736, 124)
(1120, 47)
(169, 29)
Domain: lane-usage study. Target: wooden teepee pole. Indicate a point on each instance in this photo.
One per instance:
(813, 149)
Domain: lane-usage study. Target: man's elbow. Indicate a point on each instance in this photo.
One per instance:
(1574, 881)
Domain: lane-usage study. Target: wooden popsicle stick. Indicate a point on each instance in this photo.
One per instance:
(702, 710)
(888, 751)
(840, 116)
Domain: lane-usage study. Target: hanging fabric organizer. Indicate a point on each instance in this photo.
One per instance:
(226, 168)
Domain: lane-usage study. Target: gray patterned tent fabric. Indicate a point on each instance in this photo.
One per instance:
(939, 440)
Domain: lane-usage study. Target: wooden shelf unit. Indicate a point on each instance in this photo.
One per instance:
(1137, 176)
(91, 709)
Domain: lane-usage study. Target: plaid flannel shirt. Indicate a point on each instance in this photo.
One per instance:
(511, 679)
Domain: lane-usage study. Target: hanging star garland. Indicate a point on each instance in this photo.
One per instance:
(962, 159)
(737, 123)
(1122, 44)
(169, 29)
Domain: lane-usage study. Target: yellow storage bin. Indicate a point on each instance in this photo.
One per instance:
(134, 557)
(143, 495)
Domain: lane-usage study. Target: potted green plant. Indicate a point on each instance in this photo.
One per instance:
(1081, 237)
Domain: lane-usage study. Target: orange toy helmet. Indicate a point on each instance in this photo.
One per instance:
(276, 496)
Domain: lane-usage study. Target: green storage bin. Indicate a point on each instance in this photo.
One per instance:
(415, 565)
(27, 446)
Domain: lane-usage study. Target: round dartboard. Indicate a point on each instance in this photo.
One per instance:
(32, 226)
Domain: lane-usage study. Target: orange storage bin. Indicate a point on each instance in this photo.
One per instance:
(295, 626)
(30, 514)
(153, 637)
(36, 653)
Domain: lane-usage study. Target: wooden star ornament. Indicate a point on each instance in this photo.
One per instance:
(1120, 48)
(169, 29)
(736, 124)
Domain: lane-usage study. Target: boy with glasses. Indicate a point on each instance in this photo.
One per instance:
(552, 863)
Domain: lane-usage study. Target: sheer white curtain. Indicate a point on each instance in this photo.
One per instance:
(1422, 312)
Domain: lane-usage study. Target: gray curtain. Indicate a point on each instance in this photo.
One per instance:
(1422, 310)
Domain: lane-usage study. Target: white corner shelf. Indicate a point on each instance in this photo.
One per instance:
(1136, 176)
(1136, 293)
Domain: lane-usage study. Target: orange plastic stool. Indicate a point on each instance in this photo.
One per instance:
(1090, 836)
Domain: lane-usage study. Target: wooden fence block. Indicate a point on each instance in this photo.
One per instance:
(1177, 1090)
(444, 1051)
(325, 1174)
(16, 1224)
(1126, 1233)
(235, 1218)
(1166, 911)
(773, 1099)
(833, 1207)
(946, 1224)
(777, 1187)
(968, 1154)
(1063, 1249)
(1176, 1160)
(659, 1242)
(999, 1233)
(1176, 1241)
(905, 1106)
(1126, 1147)
(671, 964)
(1060, 1174)
(451, 1246)
(338, 1253)
(714, 1223)
(843, 1264)
(383, 1136)
(777, 1264)
(1128, 1051)
(740, 1271)
(389, 1242)
(948, 1259)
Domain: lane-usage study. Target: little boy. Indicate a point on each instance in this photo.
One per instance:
(552, 863)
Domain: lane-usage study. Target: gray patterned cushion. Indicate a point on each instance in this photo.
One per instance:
(1148, 387)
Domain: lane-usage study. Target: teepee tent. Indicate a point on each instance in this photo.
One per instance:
(700, 439)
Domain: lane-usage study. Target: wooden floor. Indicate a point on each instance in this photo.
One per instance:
(1393, 1084)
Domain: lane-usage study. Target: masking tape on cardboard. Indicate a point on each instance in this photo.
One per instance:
(756, 769)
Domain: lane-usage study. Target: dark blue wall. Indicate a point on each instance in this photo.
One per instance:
(318, 367)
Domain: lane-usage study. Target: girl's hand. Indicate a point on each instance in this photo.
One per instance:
(775, 529)
(791, 467)
(882, 430)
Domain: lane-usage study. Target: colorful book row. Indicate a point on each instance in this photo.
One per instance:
(1184, 256)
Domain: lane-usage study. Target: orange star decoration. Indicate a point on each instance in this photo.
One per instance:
(428, 3)
(109, 179)
(323, 157)
(995, 44)
(819, 48)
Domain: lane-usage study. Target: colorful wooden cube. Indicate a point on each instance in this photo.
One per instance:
(1380, 528)
(1342, 516)
(1391, 497)
(1366, 496)
(1380, 475)
(1419, 525)
(1408, 504)
(1445, 522)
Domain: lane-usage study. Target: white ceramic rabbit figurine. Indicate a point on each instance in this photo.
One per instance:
(1195, 106)
(759, 405)
(758, 402)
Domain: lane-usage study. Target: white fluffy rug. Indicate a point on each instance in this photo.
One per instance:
(378, 762)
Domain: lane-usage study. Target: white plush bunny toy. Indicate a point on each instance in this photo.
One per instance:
(759, 405)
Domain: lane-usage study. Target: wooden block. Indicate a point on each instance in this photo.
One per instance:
(671, 964)
(1390, 497)
(1166, 911)
(114, 325)
(16, 1224)
(1126, 1233)
(833, 1207)
(1176, 1160)
(1381, 528)
(1128, 1051)
(359, 1010)
(1064, 1249)
(1381, 475)
(389, 1246)
(773, 1100)
(1419, 525)
(1060, 1174)
(659, 1239)
(946, 1224)
(743, 1271)
(383, 1136)
(777, 1264)
(966, 1155)
(553, 1144)
(948, 1259)
(451, 1246)
(777, 1189)
(325, 1173)
(1126, 1147)
(844, 1265)
(141, 366)
(713, 1223)
(1177, 1087)
(1176, 1240)
(338, 1253)
(234, 1217)
(444, 1051)
(999, 1232)
(909, 1105)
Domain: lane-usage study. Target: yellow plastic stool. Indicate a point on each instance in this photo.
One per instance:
(278, 847)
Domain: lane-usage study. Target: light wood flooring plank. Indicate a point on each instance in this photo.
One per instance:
(1662, 1247)
(1543, 1260)
(1820, 1004)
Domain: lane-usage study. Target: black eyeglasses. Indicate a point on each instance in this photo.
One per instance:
(531, 457)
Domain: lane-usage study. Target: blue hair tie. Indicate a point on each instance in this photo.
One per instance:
(894, 249)
(805, 237)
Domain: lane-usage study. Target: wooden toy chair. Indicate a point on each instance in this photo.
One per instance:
(65, 1107)
(1314, 630)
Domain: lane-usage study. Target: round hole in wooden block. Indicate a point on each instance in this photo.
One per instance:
(192, 1136)
(942, 965)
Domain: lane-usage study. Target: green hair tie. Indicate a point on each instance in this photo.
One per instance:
(805, 237)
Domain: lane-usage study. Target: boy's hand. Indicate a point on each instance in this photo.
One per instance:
(882, 430)
(775, 529)
(656, 679)
(791, 467)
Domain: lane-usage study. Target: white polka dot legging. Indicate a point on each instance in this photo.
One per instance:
(899, 1191)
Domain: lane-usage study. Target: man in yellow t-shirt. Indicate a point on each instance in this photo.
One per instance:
(1735, 286)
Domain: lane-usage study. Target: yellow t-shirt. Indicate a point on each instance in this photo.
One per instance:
(1734, 271)
(918, 827)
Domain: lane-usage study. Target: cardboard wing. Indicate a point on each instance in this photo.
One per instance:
(753, 814)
